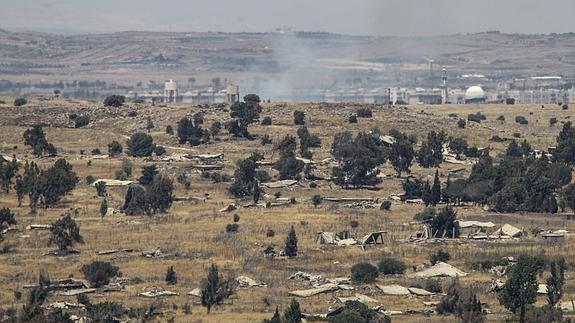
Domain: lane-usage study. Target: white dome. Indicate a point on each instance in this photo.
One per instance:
(474, 93)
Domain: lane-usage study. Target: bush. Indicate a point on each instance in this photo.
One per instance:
(352, 119)
(270, 233)
(501, 118)
(516, 135)
(266, 140)
(169, 130)
(232, 228)
(385, 205)
(391, 266)
(552, 122)
(426, 215)
(72, 116)
(565, 107)
(114, 148)
(236, 217)
(90, 179)
(140, 145)
(440, 255)
(363, 273)
(99, 273)
(364, 113)
(354, 224)
(461, 123)
(159, 151)
(114, 101)
(298, 117)
(432, 285)
(81, 121)
(96, 151)
(477, 117)
(20, 102)
(489, 262)
(171, 277)
(267, 121)
(521, 120)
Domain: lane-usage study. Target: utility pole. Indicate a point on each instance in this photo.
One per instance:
(389, 97)
(446, 94)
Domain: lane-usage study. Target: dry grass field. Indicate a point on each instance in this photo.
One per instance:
(193, 234)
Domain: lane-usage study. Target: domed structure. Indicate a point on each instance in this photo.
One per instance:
(474, 94)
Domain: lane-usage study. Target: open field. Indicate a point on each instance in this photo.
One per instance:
(193, 234)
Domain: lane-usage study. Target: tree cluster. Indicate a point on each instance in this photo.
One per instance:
(243, 114)
(47, 187)
(192, 131)
(156, 196)
(36, 139)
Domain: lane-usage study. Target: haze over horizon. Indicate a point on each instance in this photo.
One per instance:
(360, 17)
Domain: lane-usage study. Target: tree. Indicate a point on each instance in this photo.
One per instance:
(244, 114)
(8, 169)
(99, 273)
(391, 266)
(184, 130)
(114, 148)
(364, 273)
(445, 223)
(20, 190)
(401, 155)
(276, 318)
(114, 101)
(36, 139)
(436, 190)
(135, 202)
(291, 243)
(81, 121)
(148, 174)
(215, 128)
(215, 289)
(140, 145)
(169, 130)
(458, 146)
(289, 167)
(159, 196)
(461, 123)
(431, 152)
(568, 197)
(64, 233)
(56, 182)
(556, 281)
(521, 286)
(298, 117)
(6, 219)
(462, 302)
(316, 200)
(100, 188)
(171, 277)
(307, 140)
(31, 184)
(245, 176)
(103, 208)
(292, 314)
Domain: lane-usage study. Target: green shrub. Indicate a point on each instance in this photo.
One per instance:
(232, 228)
(114, 101)
(364, 113)
(20, 102)
(81, 121)
(352, 118)
(99, 273)
(267, 121)
(521, 120)
(440, 255)
(427, 214)
(385, 205)
(391, 266)
(363, 273)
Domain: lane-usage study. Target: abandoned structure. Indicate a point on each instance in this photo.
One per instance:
(170, 91)
(232, 93)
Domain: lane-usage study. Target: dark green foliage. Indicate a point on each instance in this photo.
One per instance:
(545, 313)
(385, 205)
(267, 121)
(298, 118)
(245, 176)
(270, 233)
(114, 148)
(565, 150)
(307, 140)
(316, 200)
(364, 113)
(55, 182)
(440, 255)
(159, 151)
(105, 311)
(125, 171)
(135, 201)
(391, 266)
(96, 151)
(445, 223)
(276, 318)
(169, 130)
(521, 120)
(461, 123)
(184, 130)
(148, 174)
(232, 228)
(159, 196)
(357, 312)
(244, 114)
(265, 140)
(431, 152)
(36, 139)
(357, 159)
(81, 121)
(192, 132)
(32, 184)
(114, 101)
(352, 119)
(103, 208)
(427, 214)
(364, 273)
(198, 119)
(171, 277)
(414, 188)
(6, 219)
(458, 146)
(8, 169)
(292, 313)
(556, 281)
(488, 262)
(215, 289)
(402, 153)
(289, 167)
(99, 273)
(291, 243)
(215, 128)
(100, 188)
(462, 302)
(20, 102)
(477, 117)
(568, 196)
(64, 233)
(520, 289)
(140, 145)
(435, 196)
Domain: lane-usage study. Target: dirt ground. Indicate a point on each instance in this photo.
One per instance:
(194, 236)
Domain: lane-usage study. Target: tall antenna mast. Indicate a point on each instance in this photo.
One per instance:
(446, 93)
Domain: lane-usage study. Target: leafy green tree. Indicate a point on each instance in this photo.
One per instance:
(556, 281)
(135, 202)
(462, 302)
(445, 223)
(140, 145)
(55, 182)
(298, 118)
(568, 197)
(148, 174)
(244, 114)
(171, 276)
(245, 179)
(36, 139)
(458, 146)
(7, 219)
(431, 151)
(20, 102)
(316, 200)
(276, 318)
(114, 101)
(8, 169)
(364, 273)
(159, 194)
(292, 314)
(291, 243)
(32, 184)
(20, 189)
(436, 190)
(215, 128)
(520, 289)
(100, 188)
(114, 148)
(99, 273)
(215, 289)
(64, 233)
(184, 130)
(402, 153)
(103, 208)
(289, 167)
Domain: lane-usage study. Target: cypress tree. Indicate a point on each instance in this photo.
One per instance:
(292, 314)
(210, 290)
(171, 277)
(103, 208)
(436, 190)
(291, 243)
(426, 194)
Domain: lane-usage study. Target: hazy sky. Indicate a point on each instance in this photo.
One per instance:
(366, 17)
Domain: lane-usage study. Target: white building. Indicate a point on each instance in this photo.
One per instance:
(170, 91)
